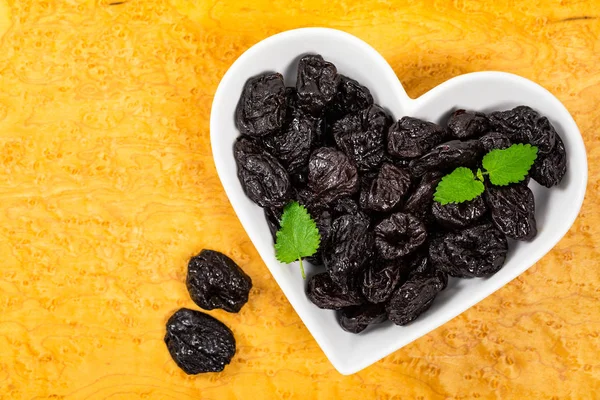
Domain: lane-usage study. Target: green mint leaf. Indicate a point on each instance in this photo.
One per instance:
(479, 174)
(298, 235)
(509, 165)
(458, 186)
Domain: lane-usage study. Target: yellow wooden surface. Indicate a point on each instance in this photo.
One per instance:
(107, 187)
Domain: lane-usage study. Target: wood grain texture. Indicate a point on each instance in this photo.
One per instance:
(108, 186)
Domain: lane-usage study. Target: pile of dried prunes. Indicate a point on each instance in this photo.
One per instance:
(387, 248)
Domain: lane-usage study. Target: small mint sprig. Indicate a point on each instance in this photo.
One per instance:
(502, 167)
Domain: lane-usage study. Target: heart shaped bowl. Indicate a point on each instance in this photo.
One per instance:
(556, 208)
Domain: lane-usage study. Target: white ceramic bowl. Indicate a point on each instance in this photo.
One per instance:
(556, 208)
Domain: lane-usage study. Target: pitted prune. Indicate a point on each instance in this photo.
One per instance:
(292, 146)
(263, 178)
(273, 216)
(344, 206)
(398, 235)
(356, 319)
(412, 137)
(323, 219)
(413, 298)
(380, 279)
(548, 170)
(473, 252)
(262, 107)
(467, 124)
(419, 202)
(198, 342)
(447, 156)
(216, 281)
(351, 97)
(331, 175)
(494, 140)
(361, 136)
(513, 210)
(349, 246)
(386, 192)
(522, 124)
(458, 216)
(323, 293)
(316, 83)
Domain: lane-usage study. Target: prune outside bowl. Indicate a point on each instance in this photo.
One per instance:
(556, 208)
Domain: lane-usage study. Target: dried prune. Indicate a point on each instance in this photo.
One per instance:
(198, 342)
(292, 146)
(421, 267)
(263, 178)
(216, 281)
(316, 83)
(331, 175)
(419, 202)
(349, 246)
(549, 169)
(343, 206)
(323, 293)
(399, 235)
(386, 192)
(467, 124)
(380, 279)
(473, 252)
(447, 156)
(513, 210)
(356, 319)
(361, 136)
(494, 140)
(522, 124)
(262, 107)
(461, 215)
(323, 219)
(351, 97)
(412, 137)
(273, 215)
(413, 298)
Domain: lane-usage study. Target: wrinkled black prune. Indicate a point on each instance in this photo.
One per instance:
(420, 267)
(419, 202)
(380, 280)
(513, 210)
(412, 137)
(386, 192)
(356, 319)
(494, 140)
(262, 107)
(263, 178)
(399, 235)
(316, 83)
(361, 136)
(323, 293)
(216, 281)
(413, 298)
(198, 342)
(548, 170)
(522, 124)
(293, 144)
(447, 156)
(331, 175)
(323, 219)
(273, 215)
(344, 206)
(473, 252)
(349, 246)
(351, 97)
(461, 215)
(468, 124)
